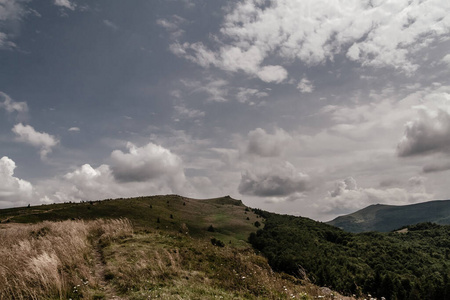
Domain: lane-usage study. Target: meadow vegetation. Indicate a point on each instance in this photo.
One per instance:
(55, 260)
(167, 247)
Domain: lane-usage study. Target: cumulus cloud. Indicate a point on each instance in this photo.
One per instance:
(376, 34)
(348, 184)
(13, 191)
(65, 4)
(347, 197)
(27, 134)
(429, 133)
(87, 183)
(145, 163)
(265, 144)
(305, 86)
(280, 181)
(272, 74)
(146, 170)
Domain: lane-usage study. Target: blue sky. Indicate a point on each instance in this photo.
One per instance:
(314, 108)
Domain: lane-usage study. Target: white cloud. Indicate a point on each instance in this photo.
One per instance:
(146, 170)
(5, 43)
(245, 95)
(429, 133)
(74, 129)
(27, 134)
(86, 183)
(13, 191)
(11, 10)
(66, 4)
(11, 14)
(264, 144)
(381, 34)
(145, 163)
(272, 74)
(183, 112)
(282, 180)
(173, 25)
(446, 59)
(305, 86)
(12, 106)
(215, 89)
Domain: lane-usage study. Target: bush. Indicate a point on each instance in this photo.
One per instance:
(217, 242)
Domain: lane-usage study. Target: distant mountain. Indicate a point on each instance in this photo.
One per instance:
(386, 218)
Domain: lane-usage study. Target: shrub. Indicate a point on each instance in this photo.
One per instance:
(217, 242)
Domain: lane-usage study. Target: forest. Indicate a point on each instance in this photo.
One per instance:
(409, 263)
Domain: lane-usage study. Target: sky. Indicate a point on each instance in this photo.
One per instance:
(315, 108)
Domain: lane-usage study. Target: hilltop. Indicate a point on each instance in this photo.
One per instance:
(169, 247)
(385, 218)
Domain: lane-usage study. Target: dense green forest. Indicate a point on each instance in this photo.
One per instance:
(412, 263)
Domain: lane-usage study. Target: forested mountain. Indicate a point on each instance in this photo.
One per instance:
(410, 264)
(385, 218)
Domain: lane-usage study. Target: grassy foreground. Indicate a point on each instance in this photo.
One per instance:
(166, 247)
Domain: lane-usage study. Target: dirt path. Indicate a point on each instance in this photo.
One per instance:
(100, 272)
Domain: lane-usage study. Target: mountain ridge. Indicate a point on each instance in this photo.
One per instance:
(385, 218)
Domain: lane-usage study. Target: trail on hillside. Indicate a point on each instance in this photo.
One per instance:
(100, 272)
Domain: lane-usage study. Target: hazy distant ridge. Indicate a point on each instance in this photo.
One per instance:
(385, 218)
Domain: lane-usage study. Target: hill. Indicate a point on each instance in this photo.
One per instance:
(168, 247)
(385, 218)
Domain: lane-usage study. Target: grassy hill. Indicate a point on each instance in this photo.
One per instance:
(168, 247)
(385, 218)
(171, 213)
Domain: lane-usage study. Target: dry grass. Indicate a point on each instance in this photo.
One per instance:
(103, 259)
(175, 266)
(52, 260)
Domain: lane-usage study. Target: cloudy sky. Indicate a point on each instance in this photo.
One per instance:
(308, 107)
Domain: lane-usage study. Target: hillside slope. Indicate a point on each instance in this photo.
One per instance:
(168, 247)
(385, 218)
(411, 264)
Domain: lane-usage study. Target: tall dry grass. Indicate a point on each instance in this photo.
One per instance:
(53, 259)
